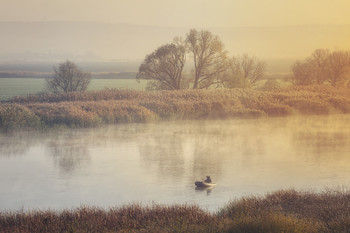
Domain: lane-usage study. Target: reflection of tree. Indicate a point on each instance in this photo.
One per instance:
(191, 150)
(68, 148)
(222, 144)
(322, 142)
(67, 156)
(166, 153)
(197, 148)
(208, 148)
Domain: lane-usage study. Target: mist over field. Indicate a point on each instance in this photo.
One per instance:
(104, 104)
(92, 41)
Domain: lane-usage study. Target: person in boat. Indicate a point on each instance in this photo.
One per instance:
(208, 180)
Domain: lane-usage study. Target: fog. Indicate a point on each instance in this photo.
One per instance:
(181, 13)
(87, 41)
(37, 31)
(159, 162)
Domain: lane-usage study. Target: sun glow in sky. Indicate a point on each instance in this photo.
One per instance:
(264, 28)
(181, 13)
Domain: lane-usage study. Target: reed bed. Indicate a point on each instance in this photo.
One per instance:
(88, 109)
(281, 211)
(132, 218)
(328, 211)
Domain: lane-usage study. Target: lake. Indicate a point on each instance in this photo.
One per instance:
(159, 162)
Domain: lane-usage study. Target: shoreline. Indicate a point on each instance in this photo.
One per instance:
(282, 210)
(110, 106)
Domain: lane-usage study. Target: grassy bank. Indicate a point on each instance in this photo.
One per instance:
(93, 108)
(11, 87)
(282, 211)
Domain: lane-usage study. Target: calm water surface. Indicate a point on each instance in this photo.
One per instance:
(159, 162)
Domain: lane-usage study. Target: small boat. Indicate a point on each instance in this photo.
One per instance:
(204, 184)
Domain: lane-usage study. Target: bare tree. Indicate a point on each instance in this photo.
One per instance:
(321, 67)
(339, 63)
(165, 66)
(209, 57)
(68, 77)
(302, 73)
(243, 72)
(319, 64)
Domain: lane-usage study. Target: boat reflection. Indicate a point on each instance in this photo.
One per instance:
(201, 189)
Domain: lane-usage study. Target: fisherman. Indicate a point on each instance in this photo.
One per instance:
(208, 180)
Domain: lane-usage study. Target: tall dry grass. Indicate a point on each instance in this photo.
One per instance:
(328, 211)
(87, 109)
(132, 218)
(14, 116)
(282, 211)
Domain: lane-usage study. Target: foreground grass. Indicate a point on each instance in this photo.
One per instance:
(92, 108)
(282, 211)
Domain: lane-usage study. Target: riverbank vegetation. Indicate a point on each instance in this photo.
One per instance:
(211, 65)
(323, 67)
(110, 106)
(281, 211)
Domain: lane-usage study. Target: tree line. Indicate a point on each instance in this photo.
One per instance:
(323, 67)
(200, 61)
(210, 62)
(165, 67)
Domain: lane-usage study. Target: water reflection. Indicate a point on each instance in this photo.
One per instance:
(68, 149)
(16, 144)
(161, 161)
(322, 140)
(204, 189)
(164, 154)
(68, 155)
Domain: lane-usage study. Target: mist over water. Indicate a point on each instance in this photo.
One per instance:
(159, 162)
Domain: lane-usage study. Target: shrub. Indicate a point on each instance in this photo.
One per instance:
(14, 116)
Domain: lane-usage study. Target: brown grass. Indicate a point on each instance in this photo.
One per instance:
(281, 211)
(17, 116)
(132, 218)
(87, 109)
(328, 211)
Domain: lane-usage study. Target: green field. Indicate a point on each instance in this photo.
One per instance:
(10, 87)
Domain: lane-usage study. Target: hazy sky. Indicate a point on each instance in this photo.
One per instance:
(313, 26)
(180, 13)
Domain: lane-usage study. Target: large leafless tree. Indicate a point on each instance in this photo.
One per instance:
(321, 67)
(339, 64)
(210, 62)
(209, 58)
(243, 72)
(302, 73)
(68, 77)
(165, 66)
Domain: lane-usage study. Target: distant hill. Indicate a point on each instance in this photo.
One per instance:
(84, 41)
(99, 75)
(105, 70)
(114, 75)
(89, 42)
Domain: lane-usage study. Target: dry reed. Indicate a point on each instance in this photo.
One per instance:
(281, 211)
(87, 109)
